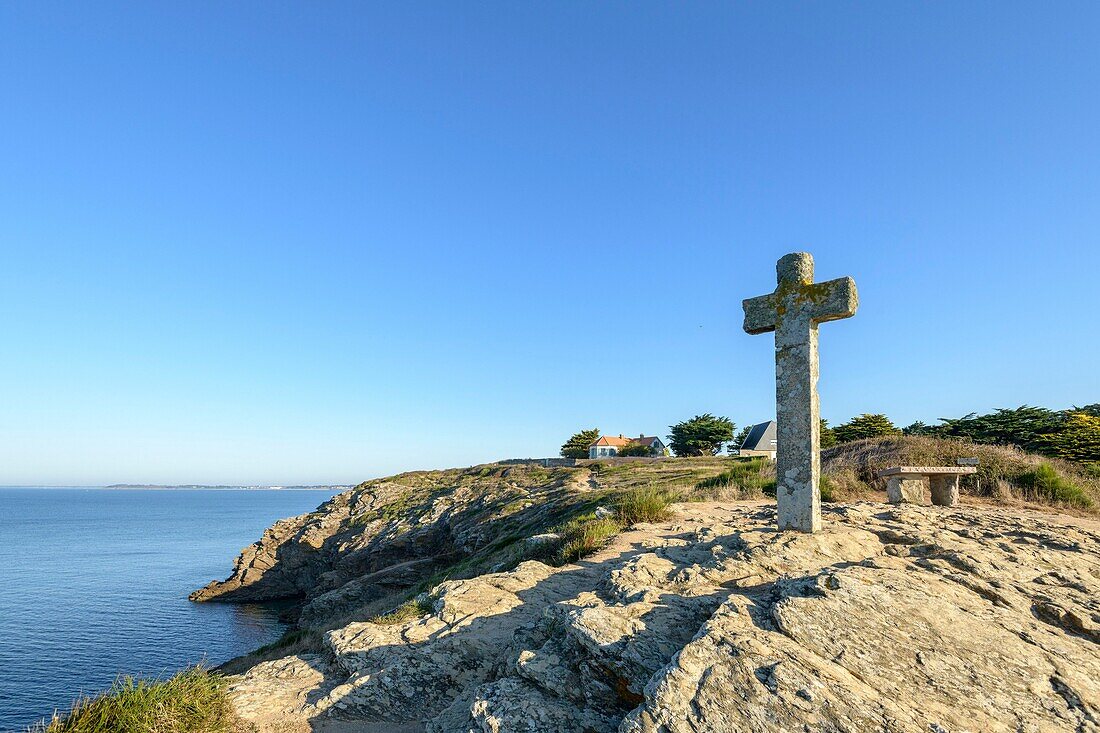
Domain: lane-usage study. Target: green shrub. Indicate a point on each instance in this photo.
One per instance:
(1047, 483)
(582, 537)
(828, 489)
(1078, 439)
(643, 505)
(193, 701)
(422, 605)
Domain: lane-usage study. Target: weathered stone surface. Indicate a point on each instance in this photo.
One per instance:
(945, 489)
(793, 312)
(903, 618)
(927, 471)
(905, 484)
(905, 490)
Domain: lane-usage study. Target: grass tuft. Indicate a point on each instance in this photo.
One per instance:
(193, 701)
(643, 505)
(582, 537)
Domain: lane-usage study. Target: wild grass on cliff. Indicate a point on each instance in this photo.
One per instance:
(193, 701)
(583, 536)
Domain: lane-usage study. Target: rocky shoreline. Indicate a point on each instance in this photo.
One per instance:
(908, 618)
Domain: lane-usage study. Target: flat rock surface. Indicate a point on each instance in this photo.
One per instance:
(902, 618)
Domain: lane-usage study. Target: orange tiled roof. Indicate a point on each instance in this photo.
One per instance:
(618, 442)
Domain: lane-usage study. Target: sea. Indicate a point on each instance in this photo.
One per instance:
(94, 584)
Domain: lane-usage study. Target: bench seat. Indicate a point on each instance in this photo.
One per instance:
(905, 484)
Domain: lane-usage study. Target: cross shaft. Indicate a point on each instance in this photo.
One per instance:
(793, 312)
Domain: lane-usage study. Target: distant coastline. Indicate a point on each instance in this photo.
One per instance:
(220, 487)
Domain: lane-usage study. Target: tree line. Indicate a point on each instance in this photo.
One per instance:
(1073, 433)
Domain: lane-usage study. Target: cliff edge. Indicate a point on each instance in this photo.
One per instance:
(894, 618)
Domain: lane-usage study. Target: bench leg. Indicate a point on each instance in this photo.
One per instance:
(905, 490)
(945, 490)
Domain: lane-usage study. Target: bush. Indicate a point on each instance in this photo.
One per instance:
(643, 505)
(193, 701)
(828, 489)
(1079, 438)
(582, 537)
(422, 605)
(1048, 484)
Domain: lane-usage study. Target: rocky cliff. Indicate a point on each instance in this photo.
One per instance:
(978, 618)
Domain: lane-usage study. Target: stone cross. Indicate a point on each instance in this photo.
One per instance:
(793, 312)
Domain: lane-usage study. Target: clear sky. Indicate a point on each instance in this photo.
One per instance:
(300, 242)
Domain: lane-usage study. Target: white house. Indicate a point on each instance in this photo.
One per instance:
(608, 446)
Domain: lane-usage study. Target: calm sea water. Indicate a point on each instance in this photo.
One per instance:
(94, 583)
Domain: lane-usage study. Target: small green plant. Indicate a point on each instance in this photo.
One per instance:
(643, 505)
(582, 537)
(1044, 481)
(193, 701)
(422, 605)
(828, 489)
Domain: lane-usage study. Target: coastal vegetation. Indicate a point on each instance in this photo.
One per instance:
(193, 701)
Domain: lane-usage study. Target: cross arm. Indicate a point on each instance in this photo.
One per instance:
(760, 314)
(833, 299)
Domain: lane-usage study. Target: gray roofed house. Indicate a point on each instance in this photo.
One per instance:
(761, 441)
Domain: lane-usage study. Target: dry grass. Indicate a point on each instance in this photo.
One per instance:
(1003, 473)
(193, 701)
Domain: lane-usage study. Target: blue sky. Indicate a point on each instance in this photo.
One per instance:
(291, 242)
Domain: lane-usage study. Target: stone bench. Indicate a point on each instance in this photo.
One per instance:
(905, 484)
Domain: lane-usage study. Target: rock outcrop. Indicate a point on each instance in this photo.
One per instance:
(890, 619)
(384, 536)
